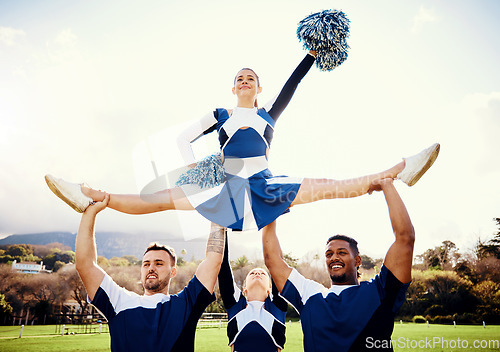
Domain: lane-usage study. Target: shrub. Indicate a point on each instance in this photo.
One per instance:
(467, 318)
(435, 309)
(442, 319)
(418, 319)
(405, 318)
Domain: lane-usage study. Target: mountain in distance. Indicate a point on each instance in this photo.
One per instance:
(116, 244)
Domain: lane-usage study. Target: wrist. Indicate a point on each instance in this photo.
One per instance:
(387, 185)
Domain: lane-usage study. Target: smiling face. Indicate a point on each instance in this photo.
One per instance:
(156, 272)
(246, 86)
(257, 283)
(342, 263)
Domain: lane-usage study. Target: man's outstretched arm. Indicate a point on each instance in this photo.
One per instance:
(208, 270)
(273, 256)
(400, 255)
(85, 251)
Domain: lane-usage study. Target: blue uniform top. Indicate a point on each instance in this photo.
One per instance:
(255, 325)
(229, 126)
(162, 323)
(345, 317)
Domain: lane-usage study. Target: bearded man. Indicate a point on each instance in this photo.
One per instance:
(156, 320)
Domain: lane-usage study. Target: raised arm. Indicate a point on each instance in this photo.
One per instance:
(273, 256)
(199, 128)
(277, 299)
(276, 107)
(229, 292)
(85, 251)
(400, 255)
(209, 268)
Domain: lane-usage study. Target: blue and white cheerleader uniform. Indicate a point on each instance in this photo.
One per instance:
(251, 197)
(252, 325)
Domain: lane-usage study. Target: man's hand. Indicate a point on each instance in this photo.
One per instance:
(96, 207)
(379, 184)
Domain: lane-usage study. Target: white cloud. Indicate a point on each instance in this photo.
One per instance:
(423, 16)
(481, 100)
(8, 35)
(66, 38)
(63, 48)
(485, 111)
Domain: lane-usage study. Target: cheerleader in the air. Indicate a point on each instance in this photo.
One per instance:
(249, 196)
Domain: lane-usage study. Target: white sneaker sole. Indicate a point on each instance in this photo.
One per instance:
(423, 169)
(64, 196)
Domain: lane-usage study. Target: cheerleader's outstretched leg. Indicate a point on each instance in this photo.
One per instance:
(409, 171)
(168, 199)
(79, 197)
(314, 189)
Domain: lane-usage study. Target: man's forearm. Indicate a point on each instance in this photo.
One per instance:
(208, 270)
(399, 256)
(273, 256)
(216, 239)
(400, 219)
(85, 252)
(85, 248)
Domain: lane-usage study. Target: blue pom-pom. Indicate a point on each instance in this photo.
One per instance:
(208, 172)
(326, 33)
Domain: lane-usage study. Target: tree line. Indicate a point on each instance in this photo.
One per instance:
(53, 255)
(447, 285)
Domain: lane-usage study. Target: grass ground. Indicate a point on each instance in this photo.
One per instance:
(435, 337)
(407, 337)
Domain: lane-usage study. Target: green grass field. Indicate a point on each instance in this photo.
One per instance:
(408, 337)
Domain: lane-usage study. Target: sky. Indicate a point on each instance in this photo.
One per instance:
(92, 91)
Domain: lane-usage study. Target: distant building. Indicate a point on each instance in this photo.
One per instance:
(29, 267)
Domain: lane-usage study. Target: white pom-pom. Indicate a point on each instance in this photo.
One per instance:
(326, 33)
(208, 172)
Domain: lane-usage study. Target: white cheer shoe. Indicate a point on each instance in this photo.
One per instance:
(71, 193)
(418, 164)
